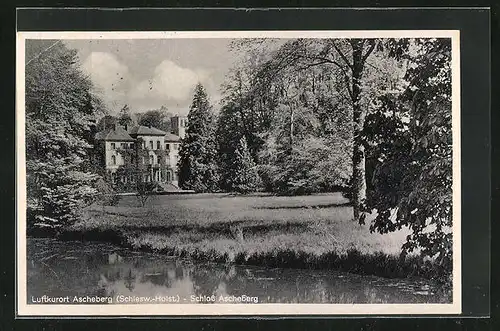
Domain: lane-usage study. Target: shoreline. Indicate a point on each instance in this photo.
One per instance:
(303, 232)
(378, 264)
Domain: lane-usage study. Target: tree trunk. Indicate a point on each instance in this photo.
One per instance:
(359, 114)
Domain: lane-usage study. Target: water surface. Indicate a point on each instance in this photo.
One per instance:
(60, 269)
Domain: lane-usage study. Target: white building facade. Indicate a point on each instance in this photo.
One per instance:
(154, 151)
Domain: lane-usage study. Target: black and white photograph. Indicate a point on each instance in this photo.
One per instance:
(222, 173)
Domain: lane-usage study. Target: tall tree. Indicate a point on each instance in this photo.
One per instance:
(242, 175)
(124, 117)
(229, 132)
(198, 150)
(61, 112)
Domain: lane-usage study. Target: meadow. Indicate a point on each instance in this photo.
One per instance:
(314, 231)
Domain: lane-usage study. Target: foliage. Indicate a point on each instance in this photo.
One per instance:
(279, 109)
(411, 154)
(318, 102)
(156, 118)
(312, 163)
(144, 190)
(198, 150)
(243, 177)
(106, 122)
(124, 117)
(61, 112)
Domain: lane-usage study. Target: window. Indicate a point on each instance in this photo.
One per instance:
(150, 144)
(158, 145)
(175, 146)
(167, 160)
(151, 159)
(167, 146)
(131, 145)
(113, 146)
(124, 145)
(143, 160)
(113, 160)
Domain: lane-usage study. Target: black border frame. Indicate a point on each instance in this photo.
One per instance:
(474, 26)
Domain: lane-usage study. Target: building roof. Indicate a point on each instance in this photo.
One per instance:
(171, 137)
(115, 134)
(145, 131)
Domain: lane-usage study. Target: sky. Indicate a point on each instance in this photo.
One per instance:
(147, 74)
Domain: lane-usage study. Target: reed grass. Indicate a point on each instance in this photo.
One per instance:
(312, 232)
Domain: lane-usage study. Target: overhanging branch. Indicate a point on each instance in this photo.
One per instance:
(342, 55)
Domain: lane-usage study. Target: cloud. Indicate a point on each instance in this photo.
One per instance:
(109, 75)
(170, 82)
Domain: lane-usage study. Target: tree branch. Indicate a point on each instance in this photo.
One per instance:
(307, 66)
(370, 50)
(341, 55)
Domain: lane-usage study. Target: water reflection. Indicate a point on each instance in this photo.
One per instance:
(58, 268)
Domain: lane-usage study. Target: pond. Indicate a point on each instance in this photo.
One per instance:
(90, 270)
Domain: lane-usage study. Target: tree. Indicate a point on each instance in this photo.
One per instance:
(61, 113)
(243, 175)
(144, 189)
(107, 122)
(410, 141)
(124, 118)
(349, 57)
(229, 133)
(198, 150)
(281, 103)
(157, 118)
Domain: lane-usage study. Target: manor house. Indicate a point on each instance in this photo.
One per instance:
(148, 148)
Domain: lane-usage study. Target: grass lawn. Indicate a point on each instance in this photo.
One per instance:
(315, 231)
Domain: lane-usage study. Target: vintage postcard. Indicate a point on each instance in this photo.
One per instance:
(238, 173)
